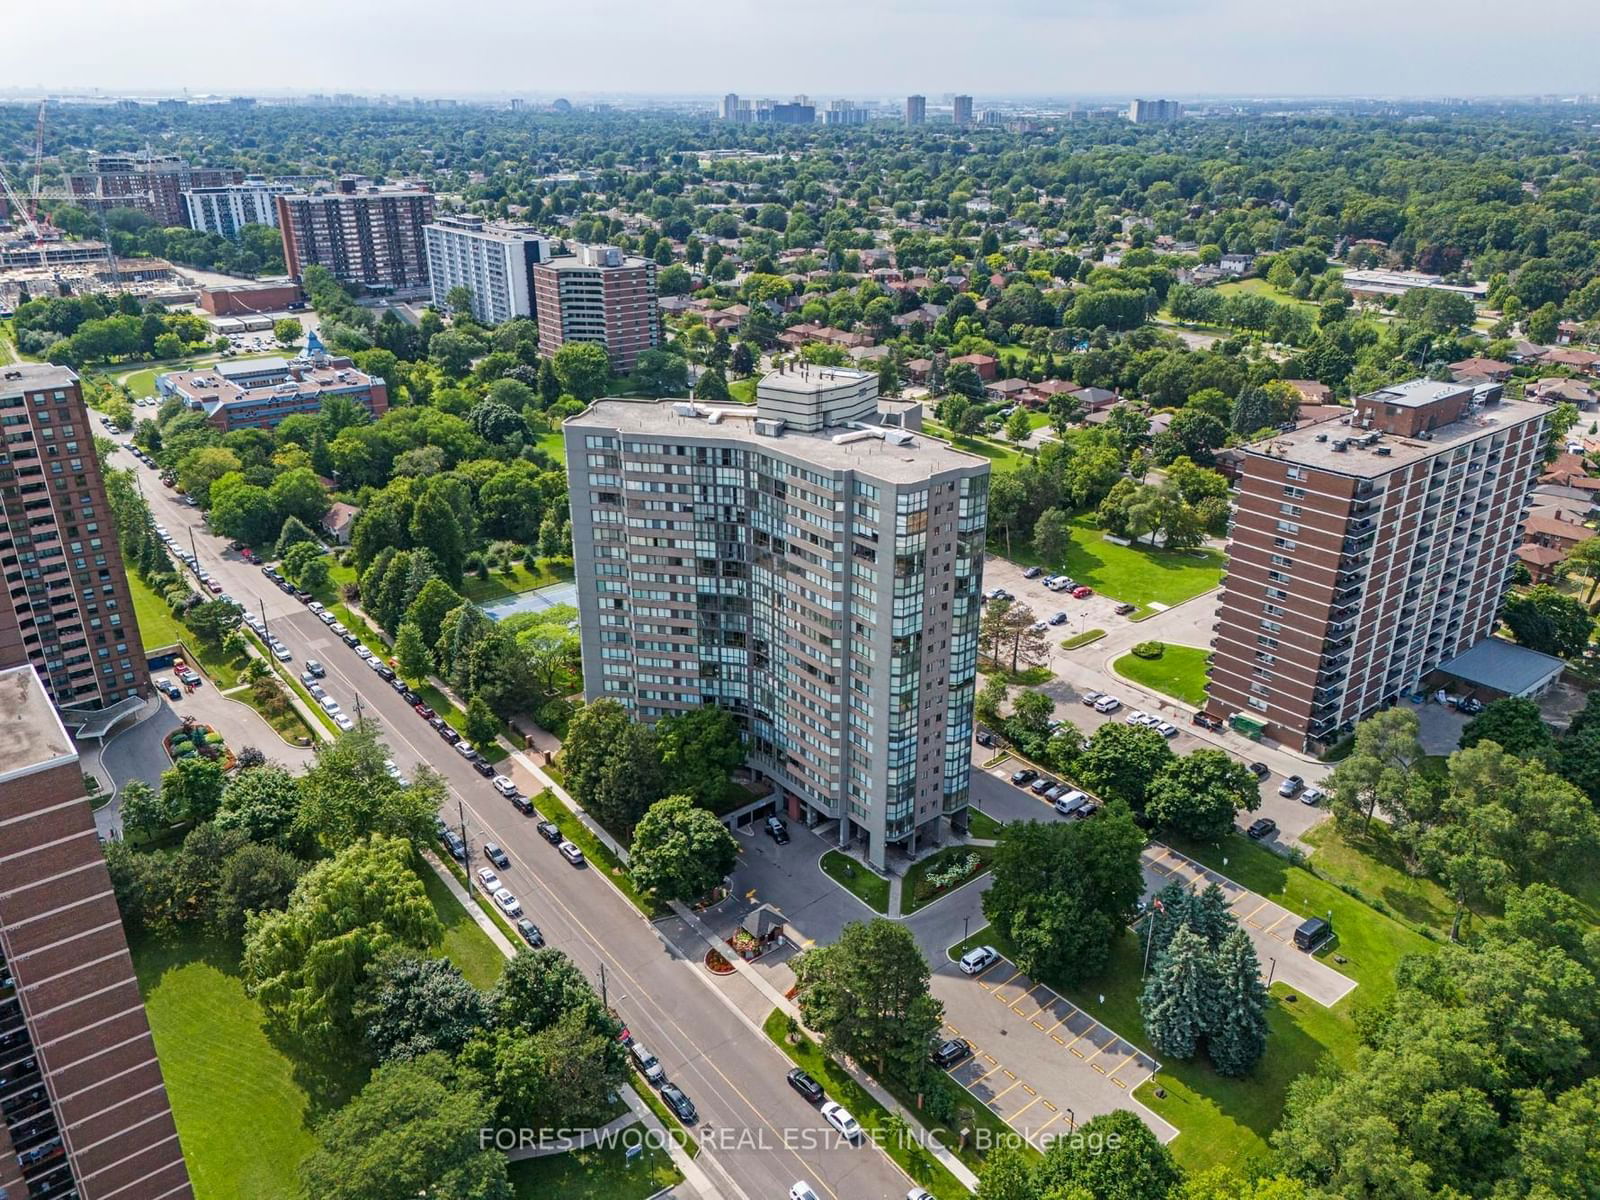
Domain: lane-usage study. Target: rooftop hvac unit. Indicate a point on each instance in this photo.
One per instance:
(897, 437)
(685, 410)
(1385, 451)
(1340, 444)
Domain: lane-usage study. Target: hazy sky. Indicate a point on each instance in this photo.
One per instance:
(821, 47)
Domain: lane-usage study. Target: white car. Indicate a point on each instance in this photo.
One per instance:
(395, 773)
(315, 607)
(802, 1191)
(488, 880)
(339, 628)
(919, 1194)
(1136, 717)
(1166, 729)
(1069, 803)
(839, 1117)
(504, 786)
(363, 652)
(507, 903)
(281, 652)
(329, 704)
(978, 960)
(466, 750)
(343, 722)
(1107, 704)
(326, 617)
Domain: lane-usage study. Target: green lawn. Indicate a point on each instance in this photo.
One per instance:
(1082, 639)
(142, 381)
(555, 445)
(1003, 458)
(906, 1151)
(860, 881)
(1260, 287)
(1368, 861)
(1180, 672)
(158, 627)
(502, 587)
(1136, 574)
(981, 825)
(469, 947)
(743, 390)
(288, 724)
(598, 1173)
(916, 892)
(240, 1103)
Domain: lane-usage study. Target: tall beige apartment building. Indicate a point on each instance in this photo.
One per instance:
(813, 564)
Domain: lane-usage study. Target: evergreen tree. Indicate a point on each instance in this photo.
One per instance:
(1169, 912)
(1209, 916)
(1238, 1036)
(712, 386)
(293, 532)
(411, 652)
(1180, 995)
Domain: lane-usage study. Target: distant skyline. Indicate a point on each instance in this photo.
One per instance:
(822, 47)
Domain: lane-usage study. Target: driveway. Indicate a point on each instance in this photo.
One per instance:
(1270, 926)
(135, 753)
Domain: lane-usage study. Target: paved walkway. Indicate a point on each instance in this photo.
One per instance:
(1270, 926)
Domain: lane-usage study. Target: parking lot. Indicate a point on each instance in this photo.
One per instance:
(1270, 926)
(1039, 1062)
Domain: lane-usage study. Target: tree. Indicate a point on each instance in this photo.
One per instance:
(1379, 770)
(294, 533)
(1062, 892)
(699, 750)
(257, 877)
(537, 987)
(661, 373)
(1547, 620)
(562, 1076)
(436, 527)
(1112, 1157)
(1017, 427)
(263, 803)
(1122, 761)
(191, 788)
(242, 511)
(712, 386)
(1237, 1037)
(307, 963)
(1584, 560)
(867, 994)
(411, 652)
(144, 810)
(287, 331)
(613, 766)
(412, 1131)
(1052, 535)
(212, 621)
(347, 794)
(1199, 794)
(299, 494)
(583, 370)
(201, 467)
(413, 1006)
(1512, 721)
(429, 607)
(680, 851)
(482, 729)
(1180, 995)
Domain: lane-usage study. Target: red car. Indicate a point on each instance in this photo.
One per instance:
(1081, 592)
(423, 711)
(214, 587)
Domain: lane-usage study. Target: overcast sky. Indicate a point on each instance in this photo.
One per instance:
(990, 48)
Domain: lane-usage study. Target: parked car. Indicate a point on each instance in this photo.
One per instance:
(326, 617)
(281, 652)
(1070, 804)
(571, 853)
(1107, 704)
(839, 1117)
(1024, 777)
(507, 903)
(1058, 618)
(454, 844)
(801, 1190)
(316, 668)
(482, 766)
(948, 1054)
(1312, 796)
(351, 640)
(1033, 572)
(503, 785)
(1469, 705)
(170, 689)
(682, 1107)
(1136, 717)
(1125, 608)
(444, 730)
(649, 1066)
(522, 804)
(978, 960)
(488, 880)
(1291, 786)
(1090, 699)
(1264, 827)
(492, 851)
(777, 830)
(423, 711)
(329, 704)
(1260, 770)
(344, 723)
(1041, 785)
(806, 1086)
(1082, 592)
(1166, 729)
(529, 932)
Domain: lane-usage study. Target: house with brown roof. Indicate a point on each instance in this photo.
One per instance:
(1544, 530)
(1009, 390)
(339, 520)
(918, 370)
(1541, 561)
(1580, 360)
(1564, 391)
(1569, 472)
(1472, 369)
(1044, 391)
(986, 365)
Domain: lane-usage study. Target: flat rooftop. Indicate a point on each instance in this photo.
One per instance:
(811, 380)
(1304, 447)
(920, 458)
(19, 377)
(1416, 393)
(1504, 666)
(211, 388)
(32, 737)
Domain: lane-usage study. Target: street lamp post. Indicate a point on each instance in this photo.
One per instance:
(461, 812)
(1270, 970)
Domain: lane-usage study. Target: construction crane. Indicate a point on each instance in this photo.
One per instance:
(38, 160)
(23, 215)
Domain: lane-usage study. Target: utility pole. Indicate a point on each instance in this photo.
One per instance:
(461, 812)
(1150, 937)
(266, 632)
(603, 1003)
(360, 718)
(194, 550)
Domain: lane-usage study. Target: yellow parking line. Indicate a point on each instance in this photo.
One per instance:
(998, 1095)
(1098, 1051)
(1037, 1008)
(1056, 1026)
(986, 1074)
(1015, 971)
(1255, 910)
(1119, 1083)
(952, 1029)
(1051, 1107)
(1024, 1108)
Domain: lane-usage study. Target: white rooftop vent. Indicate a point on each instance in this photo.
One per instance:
(855, 435)
(685, 409)
(898, 437)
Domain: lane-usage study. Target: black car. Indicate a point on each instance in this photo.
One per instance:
(1033, 572)
(303, 596)
(530, 932)
(439, 827)
(1206, 721)
(682, 1107)
(386, 674)
(778, 831)
(1024, 777)
(284, 586)
(1263, 828)
(497, 856)
(1260, 770)
(948, 1054)
(805, 1085)
(351, 640)
(483, 767)
(549, 832)
(522, 804)
(410, 697)
(453, 843)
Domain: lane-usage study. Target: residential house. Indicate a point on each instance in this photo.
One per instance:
(1311, 391)
(1043, 392)
(339, 520)
(1541, 561)
(918, 370)
(1236, 264)
(1095, 399)
(1009, 391)
(1564, 391)
(1527, 352)
(986, 365)
(1475, 369)
(1568, 332)
(1579, 360)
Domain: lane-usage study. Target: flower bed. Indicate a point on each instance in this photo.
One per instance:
(943, 872)
(193, 739)
(717, 964)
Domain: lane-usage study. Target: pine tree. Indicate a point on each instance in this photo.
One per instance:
(1238, 1036)
(1179, 995)
(1170, 911)
(1209, 915)
(411, 652)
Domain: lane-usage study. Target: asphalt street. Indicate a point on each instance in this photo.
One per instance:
(760, 1135)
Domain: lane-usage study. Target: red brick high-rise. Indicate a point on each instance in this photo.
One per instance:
(83, 1108)
(1366, 551)
(370, 236)
(598, 295)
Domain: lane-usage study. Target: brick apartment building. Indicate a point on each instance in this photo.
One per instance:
(83, 1109)
(368, 235)
(153, 184)
(601, 295)
(66, 607)
(1366, 551)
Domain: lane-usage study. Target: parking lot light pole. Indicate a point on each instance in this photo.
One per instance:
(1270, 970)
(966, 922)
